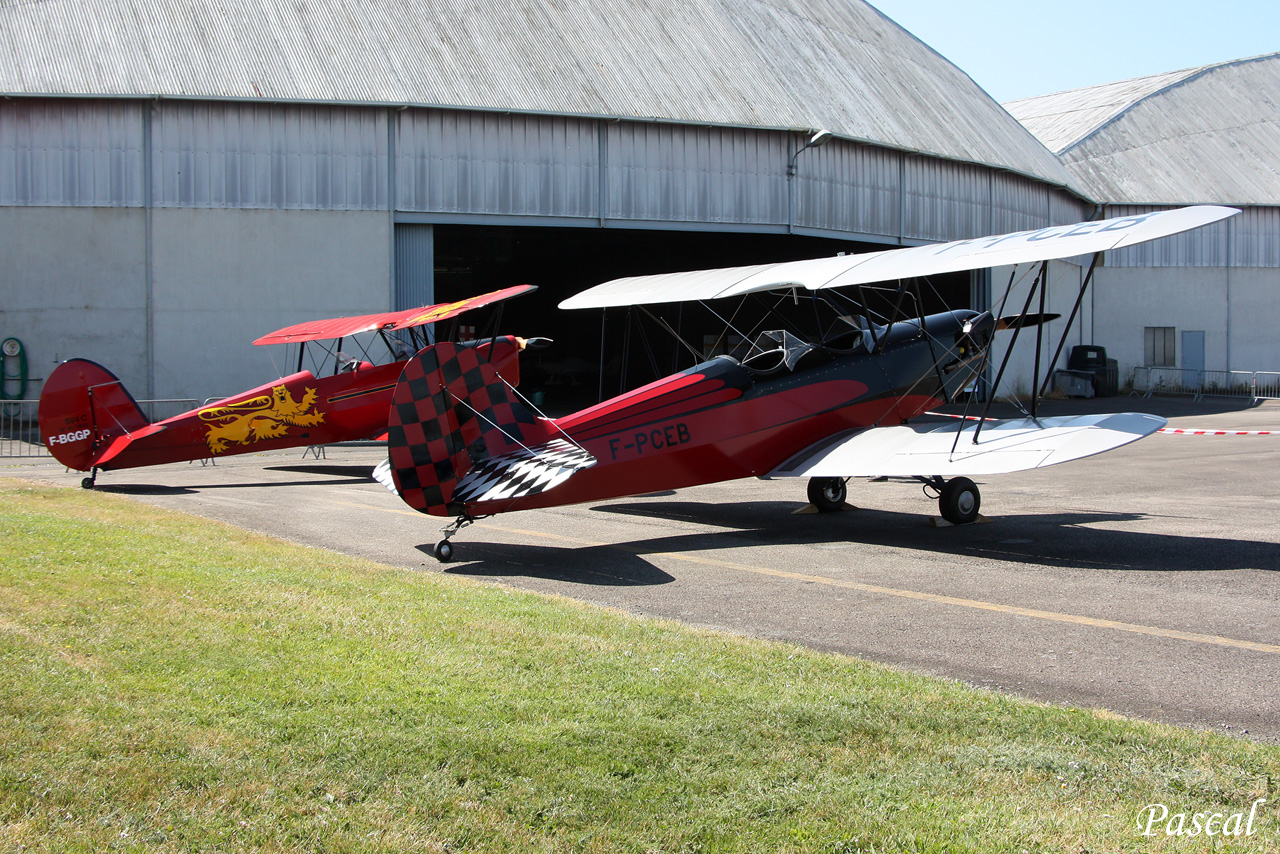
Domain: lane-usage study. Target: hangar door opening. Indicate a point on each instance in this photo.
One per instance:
(598, 354)
(415, 265)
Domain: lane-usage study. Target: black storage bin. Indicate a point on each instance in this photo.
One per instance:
(1093, 359)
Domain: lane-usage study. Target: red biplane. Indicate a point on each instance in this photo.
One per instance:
(829, 402)
(90, 422)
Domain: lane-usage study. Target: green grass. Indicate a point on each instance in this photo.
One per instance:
(171, 684)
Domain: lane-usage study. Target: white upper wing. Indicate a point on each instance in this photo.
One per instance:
(1060, 241)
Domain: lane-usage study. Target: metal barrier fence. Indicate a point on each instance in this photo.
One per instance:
(1255, 385)
(1266, 385)
(159, 410)
(20, 430)
(19, 433)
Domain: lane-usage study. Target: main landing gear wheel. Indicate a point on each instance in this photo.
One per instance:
(827, 493)
(443, 551)
(88, 482)
(959, 501)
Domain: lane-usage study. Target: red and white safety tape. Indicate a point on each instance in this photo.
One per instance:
(1218, 432)
(961, 417)
(1177, 430)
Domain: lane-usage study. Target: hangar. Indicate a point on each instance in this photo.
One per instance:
(1203, 303)
(177, 179)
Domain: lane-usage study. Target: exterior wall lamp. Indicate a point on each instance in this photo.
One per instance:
(818, 138)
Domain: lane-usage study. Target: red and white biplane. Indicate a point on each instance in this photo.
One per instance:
(827, 402)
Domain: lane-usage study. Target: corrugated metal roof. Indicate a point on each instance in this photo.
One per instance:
(1062, 119)
(835, 64)
(1202, 135)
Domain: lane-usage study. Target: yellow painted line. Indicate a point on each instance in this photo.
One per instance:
(936, 598)
(413, 513)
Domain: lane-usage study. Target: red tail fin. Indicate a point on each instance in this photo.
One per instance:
(84, 410)
(450, 410)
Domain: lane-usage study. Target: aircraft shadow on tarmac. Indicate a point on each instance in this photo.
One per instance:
(144, 489)
(603, 566)
(340, 476)
(353, 472)
(1057, 539)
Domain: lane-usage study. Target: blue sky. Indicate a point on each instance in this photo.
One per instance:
(1018, 48)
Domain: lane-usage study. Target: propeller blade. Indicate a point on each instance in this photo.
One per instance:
(1016, 321)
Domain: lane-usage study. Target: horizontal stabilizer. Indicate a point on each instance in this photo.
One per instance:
(521, 473)
(382, 474)
(926, 450)
(518, 474)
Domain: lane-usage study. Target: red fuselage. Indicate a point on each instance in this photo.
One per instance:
(293, 411)
(722, 420)
(88, 420)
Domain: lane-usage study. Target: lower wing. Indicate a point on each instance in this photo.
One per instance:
(948, 450)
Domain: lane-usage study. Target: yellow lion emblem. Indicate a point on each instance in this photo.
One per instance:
(259, 418)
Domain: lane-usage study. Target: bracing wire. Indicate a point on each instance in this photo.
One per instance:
(552, 421)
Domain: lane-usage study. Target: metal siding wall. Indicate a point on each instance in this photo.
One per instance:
(277, 156)
(415, 266)
(944, 200)
(1017, 204)
(682, 173)
(78, 152)
(849, 187)
(71, 153)
(488, 163)
(1255, 238)
(1203, 247)
(1065, 209)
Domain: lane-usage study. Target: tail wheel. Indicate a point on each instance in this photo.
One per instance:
(827, 493)
(443, 551)
(959, 501)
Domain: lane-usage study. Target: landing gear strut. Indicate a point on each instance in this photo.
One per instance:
(827, 493)
(443, 550)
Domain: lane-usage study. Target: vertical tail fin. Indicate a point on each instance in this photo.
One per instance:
(84, 413)
(451, 416)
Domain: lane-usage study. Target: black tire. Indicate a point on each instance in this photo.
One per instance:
(444, 551)
(960, 501)
(86, 483)
(827, 493)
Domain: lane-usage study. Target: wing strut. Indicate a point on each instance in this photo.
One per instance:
(1097, 256)
(604, 316)
(1035, 372)
(1040, 278)
(893, 318)
(862, 300)
(1041, 282)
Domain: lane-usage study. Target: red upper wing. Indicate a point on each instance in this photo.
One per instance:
(447, 310)
(338, 327)
(341, 327)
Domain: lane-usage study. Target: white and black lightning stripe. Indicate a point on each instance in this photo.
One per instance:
(522, 473)
(382, 474)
